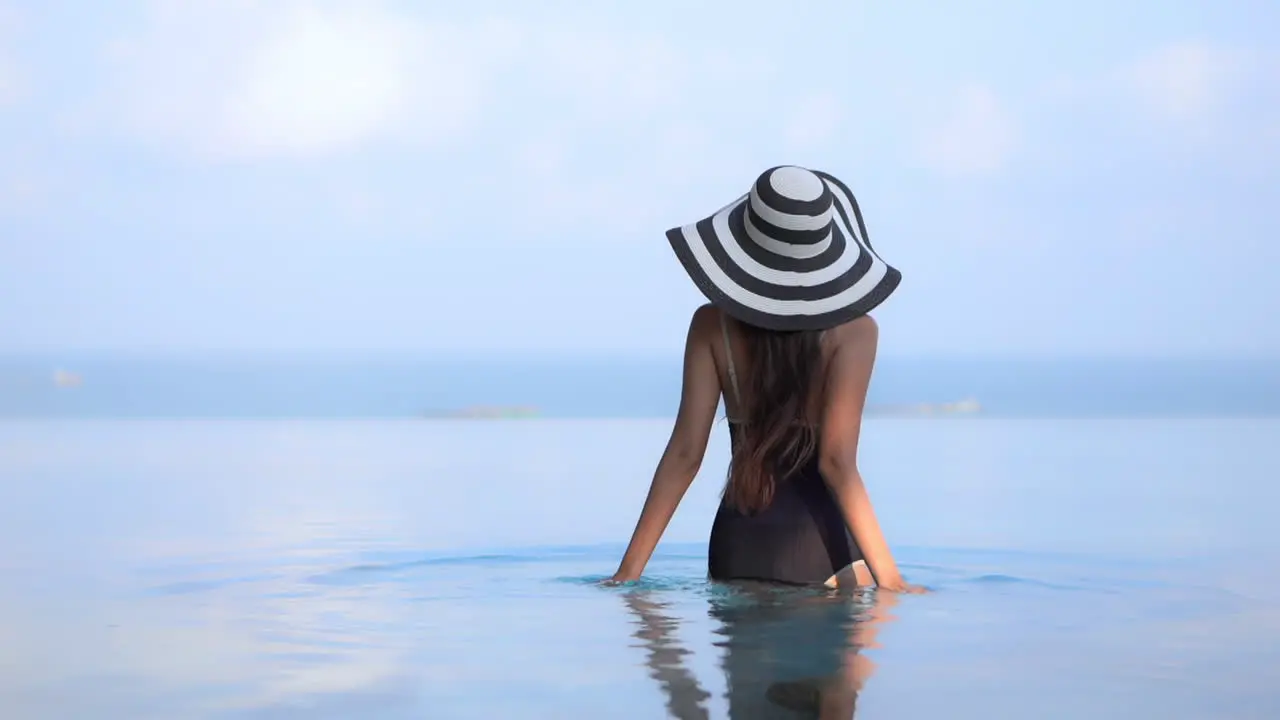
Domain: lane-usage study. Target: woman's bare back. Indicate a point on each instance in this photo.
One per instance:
(858, 332)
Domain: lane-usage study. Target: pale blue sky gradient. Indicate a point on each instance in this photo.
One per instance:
(1050, 177)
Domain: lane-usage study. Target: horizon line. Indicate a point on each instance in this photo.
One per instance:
(52, 355)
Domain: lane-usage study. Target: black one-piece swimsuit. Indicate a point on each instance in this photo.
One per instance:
(800, 538)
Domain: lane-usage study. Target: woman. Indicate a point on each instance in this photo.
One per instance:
(787, 342)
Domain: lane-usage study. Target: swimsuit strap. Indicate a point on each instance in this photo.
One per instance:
(728, 354)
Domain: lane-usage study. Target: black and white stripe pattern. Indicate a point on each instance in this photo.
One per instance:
(791, 254)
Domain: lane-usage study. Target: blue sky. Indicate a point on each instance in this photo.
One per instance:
(1051, 178)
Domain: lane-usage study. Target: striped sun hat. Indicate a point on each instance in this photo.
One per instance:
(791, 254)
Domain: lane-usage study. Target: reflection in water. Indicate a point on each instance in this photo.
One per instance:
(785, 651)
(685, 697)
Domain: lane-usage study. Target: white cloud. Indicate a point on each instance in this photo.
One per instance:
(541, 159)
(24, 190)
(584, 113)
(606, 74)
(615, 119)
(320, 82)
(10, 77)
(8, 81)
(814, 120)
(974, 137)
(258, 79)
(1212, 101)
(251, 78)
(557, 187)
(1183, 81)
(616, 133)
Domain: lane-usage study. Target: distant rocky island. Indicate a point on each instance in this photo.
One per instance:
(486, 412)
(967, 406)
(66, 378)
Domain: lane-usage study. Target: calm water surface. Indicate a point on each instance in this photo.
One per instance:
(276, 569)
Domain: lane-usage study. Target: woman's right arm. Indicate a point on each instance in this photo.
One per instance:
(699, 398)
(848, 377)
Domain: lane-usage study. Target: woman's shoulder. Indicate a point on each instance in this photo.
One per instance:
(705, 321)
(851, 355)
(853, 343)
(860, 331)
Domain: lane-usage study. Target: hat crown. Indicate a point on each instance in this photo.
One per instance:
(788, 199)
(795, 183)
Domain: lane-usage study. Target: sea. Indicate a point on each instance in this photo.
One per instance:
(300, 537)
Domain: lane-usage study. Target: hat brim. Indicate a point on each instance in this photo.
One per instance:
(844, 281)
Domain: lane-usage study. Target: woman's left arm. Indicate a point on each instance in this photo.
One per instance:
(699, 398)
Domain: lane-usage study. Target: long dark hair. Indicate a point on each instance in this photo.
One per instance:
(776, 437)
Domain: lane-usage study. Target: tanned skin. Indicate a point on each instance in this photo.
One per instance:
(849, 353)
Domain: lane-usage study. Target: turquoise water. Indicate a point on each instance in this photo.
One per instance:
(1082, 568)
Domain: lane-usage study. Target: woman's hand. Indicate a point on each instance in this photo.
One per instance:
(619, 578)
(902, 586)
